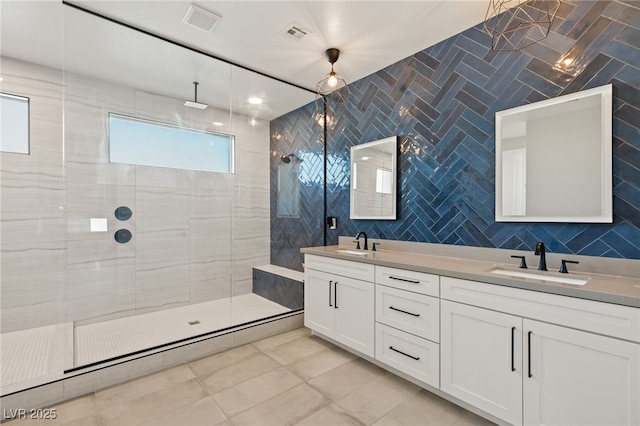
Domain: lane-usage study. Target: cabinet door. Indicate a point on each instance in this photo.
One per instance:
(318, 302)
(481, 359)
(579, 378)
(354, 309)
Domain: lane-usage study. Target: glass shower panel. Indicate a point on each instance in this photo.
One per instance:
(163, 274)
(260, 290)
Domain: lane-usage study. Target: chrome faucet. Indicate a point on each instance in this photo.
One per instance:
(542, 266)
(366, 247)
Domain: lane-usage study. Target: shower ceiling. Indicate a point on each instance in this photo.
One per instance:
(370, 35)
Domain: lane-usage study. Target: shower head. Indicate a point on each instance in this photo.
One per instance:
(287, 158)
(194, 103)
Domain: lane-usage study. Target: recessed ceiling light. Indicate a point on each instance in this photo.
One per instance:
(218, 124)
(255, 101)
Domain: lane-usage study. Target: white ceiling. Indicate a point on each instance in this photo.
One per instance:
(370, 34)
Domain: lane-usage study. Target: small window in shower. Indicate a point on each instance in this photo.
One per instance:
(14, 116)
(148, 143)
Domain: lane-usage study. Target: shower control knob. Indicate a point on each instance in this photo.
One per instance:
(122, 236)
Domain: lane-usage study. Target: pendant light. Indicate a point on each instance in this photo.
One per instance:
(333, 83)
(516, 24)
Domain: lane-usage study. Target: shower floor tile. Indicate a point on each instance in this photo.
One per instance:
(109, 339)
(27, 357)
(40, 355)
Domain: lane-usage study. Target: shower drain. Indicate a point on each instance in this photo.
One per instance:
(194, 322)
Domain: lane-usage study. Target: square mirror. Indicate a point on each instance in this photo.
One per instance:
(553, 160)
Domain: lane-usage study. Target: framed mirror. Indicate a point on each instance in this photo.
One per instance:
(373, 179)
(553, 160)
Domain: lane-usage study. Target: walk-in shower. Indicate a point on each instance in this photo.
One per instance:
(134, 222)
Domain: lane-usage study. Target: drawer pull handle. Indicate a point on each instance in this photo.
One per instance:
(404, 312)
(405, 354)
(513, 356)
(529, 352)
(391, 277)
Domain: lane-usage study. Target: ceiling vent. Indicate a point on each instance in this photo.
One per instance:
(201, 19)
(295, 31)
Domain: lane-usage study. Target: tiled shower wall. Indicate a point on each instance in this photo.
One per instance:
(297, 133)
(32, 196)
(196, 235)
(441, 103)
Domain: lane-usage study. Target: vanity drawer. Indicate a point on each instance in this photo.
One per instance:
(418, 282)
(345, 268)
(413, 313)
(412, 355)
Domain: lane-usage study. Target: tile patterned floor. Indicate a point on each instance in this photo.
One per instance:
(289, 379)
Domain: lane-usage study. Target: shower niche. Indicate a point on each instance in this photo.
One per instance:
(288, 187)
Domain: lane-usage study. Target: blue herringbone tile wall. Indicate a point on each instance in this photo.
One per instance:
(299, 134)
(441, 103)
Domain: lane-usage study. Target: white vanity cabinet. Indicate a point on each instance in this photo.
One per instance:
(408, 323)
(536, 358)
(339, 301)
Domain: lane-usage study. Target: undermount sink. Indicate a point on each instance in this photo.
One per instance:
(357, 253)
(539, 276)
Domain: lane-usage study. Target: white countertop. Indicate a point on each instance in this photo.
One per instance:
(602, 288)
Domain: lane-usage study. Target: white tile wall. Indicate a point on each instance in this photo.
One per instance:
(33, 195)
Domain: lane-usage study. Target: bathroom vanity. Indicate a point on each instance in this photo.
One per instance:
(516, 349)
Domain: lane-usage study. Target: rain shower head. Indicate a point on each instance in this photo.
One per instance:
(194, 103)
(287, 158)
